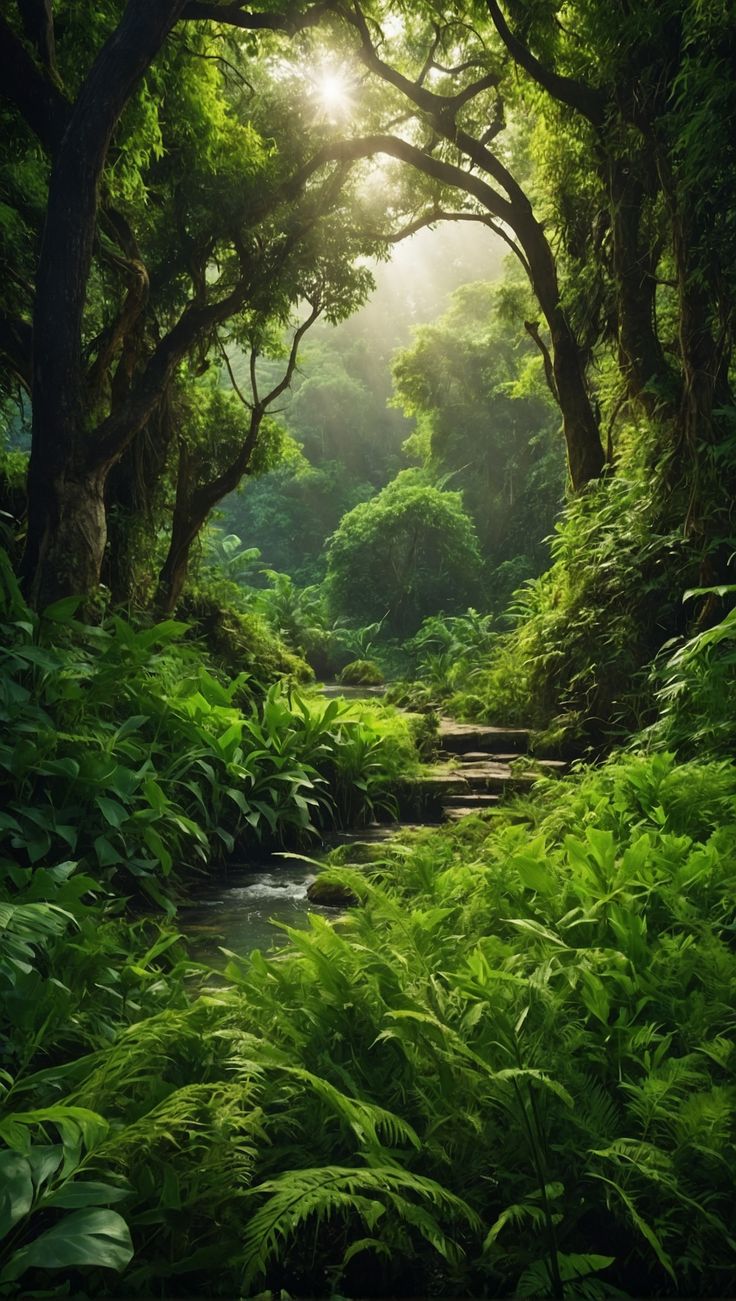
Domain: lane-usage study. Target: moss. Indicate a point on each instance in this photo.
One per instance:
(331, 894)
(241, 643)
(361, 673)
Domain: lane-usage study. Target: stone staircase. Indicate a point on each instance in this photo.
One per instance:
(474, 769)
(473, 772)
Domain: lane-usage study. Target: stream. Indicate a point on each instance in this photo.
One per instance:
(241, 910)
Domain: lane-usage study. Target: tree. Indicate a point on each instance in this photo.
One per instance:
(407, 553)
(217, 238)
(328, 287)
(653, 101)
(489, 424)
(456, 114)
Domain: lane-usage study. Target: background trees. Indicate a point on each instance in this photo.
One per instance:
(486, 425)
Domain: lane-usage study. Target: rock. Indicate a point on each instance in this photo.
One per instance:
(361, 673)
(330, 894)
(459, 738)
(459, 812)
(479, 800)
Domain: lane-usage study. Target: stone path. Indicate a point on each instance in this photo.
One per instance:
(474, 771)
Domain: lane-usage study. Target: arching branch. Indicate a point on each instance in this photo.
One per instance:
(38, 100)
(38, 24)
(234, 15)
(532, 329)
(578, 95)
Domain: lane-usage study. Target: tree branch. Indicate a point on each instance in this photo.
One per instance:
(16, 343)
(393, 146)
(439, 214)
(254, 376)
(38, 24)
(40, 103)
(441, 110)
(284, 383)
(233, 15)
(532, 329)
(118, 429)
(236, 388)
(583, 98)
(133, 305)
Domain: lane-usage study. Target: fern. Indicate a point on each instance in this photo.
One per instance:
(298, 1195)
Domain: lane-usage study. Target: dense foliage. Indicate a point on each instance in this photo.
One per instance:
(509, 1071)
(508, 1068)
(408, 551)
(487, 425)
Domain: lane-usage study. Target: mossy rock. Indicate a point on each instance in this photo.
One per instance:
(357, 852)
(361, 673)
(331, 894)
(241, 642)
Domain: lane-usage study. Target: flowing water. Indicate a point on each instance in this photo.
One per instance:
(242, 909)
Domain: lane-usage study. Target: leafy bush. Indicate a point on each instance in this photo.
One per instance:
(240, 642)
(577, 659)
(696, 687)
(126, 753)
(409, 552)
(362, 673)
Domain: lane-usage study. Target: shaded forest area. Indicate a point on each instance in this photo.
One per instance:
(366, 411)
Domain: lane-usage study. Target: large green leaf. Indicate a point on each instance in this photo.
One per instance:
(85, 1192)
(16, 1190)
(88, 1237)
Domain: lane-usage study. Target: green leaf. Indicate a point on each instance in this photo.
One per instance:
(132, 724)
(88, 1192)
(534, 874)
(87, 1237)
(158, 849)
(63, 611)
(16, 1190)
(113, 813)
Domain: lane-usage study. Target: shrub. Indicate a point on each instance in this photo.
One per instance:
(408, 553)
(509, 1073)
(240, 642)
(584, 633)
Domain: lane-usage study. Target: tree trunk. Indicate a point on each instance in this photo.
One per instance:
(184, 530)
(71, 548)
(649, 380)
(65, 542)
(585, 457)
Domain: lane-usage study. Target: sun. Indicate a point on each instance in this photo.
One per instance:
(332, 91)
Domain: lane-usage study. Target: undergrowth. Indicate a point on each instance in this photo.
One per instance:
(576, 660)
(510, 1072)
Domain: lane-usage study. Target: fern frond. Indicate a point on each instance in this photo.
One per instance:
(298, 1195)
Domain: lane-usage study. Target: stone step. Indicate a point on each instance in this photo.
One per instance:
(457, 738)
(498, 777)
(475, 757)
(460, 811)
(478, 799)
(442, 781)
